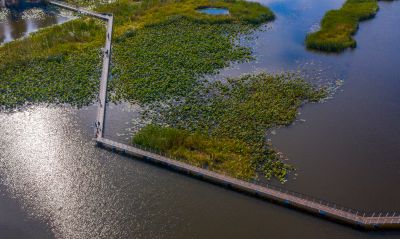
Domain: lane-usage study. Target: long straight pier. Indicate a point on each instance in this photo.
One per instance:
(327, 210)
(330, 211)
(109, 19)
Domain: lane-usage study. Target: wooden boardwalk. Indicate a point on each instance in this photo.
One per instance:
(287, 198)
(109, 19)
(327, 210)
(80, 10)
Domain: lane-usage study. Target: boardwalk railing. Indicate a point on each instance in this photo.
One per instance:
(322, 208)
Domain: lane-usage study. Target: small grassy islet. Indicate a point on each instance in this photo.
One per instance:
(339, 26)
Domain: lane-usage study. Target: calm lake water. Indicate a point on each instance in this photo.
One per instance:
(54, 183)
(24, 17)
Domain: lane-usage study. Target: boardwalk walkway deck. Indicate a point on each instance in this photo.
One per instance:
(322, 208)
(291, 199)
(109, 19)
(80, 10)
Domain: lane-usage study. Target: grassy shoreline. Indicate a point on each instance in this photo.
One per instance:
(339, 26)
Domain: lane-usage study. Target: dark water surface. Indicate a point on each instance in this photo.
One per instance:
(54, 183)
(24, 17)
(348, 149)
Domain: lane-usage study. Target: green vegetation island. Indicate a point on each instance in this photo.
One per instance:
(162, 51)
(339, 26)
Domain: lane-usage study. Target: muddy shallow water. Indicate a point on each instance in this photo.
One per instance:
(54, 183)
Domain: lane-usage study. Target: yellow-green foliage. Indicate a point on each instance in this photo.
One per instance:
(133, 15)
(240, 11)
(232, 157)
(338, 26)
(243, 108)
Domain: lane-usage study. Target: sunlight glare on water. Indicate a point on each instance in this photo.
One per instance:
(53, 173)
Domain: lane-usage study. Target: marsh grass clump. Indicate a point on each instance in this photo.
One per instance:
(338, 26)
(227, 156)
(130, 14)
(242, 110)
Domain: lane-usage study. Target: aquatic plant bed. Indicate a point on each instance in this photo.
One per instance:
(165, 61)
(338, 26)
(222, 126)
(151, 62)
(165, 58)
(60, 64)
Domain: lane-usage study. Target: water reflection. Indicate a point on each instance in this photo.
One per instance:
(19, 18)
(280, 46)
(50, 165)
(53, 172)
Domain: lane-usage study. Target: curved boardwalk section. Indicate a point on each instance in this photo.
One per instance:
(327, 210)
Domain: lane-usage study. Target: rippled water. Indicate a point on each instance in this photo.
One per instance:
(54, 182)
